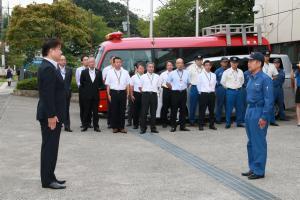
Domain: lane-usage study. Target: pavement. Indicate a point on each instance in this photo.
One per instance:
(166, 166)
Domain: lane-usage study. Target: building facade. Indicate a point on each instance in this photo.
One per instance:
(280, 22)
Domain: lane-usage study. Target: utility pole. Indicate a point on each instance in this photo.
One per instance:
(151, 19)
(2, 37)
(197, 18)
(128, 19)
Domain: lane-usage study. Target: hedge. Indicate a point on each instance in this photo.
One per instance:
(31, 84)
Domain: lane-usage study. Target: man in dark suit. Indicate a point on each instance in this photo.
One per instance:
(66, 73)
(90, 83)
(50, 111)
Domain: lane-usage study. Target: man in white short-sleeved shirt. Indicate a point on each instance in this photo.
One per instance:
(150, 88)
(117, 83)
(136, 94)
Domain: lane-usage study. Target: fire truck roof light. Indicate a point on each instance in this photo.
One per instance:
(114, 36)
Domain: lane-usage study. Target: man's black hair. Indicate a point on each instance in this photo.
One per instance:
(51, 43)
(82, 57)
(116, 58)
(206, 61)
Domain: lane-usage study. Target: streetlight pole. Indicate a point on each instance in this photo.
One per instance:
(151, 19)
(197, 18)
(128, 19)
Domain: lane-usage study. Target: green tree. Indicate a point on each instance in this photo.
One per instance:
(79, 29)
(114, 13)
(177, 17)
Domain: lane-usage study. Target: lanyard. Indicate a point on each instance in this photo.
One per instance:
(180, 77)
(235, 75)
(150, 79)
(209, 79)
(118, 77)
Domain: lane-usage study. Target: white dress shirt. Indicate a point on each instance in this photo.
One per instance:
(92, 73)
(105, 71)
(206, 82)
(78, 74)
(232, 79)
(54, 63)
(150, 82)
(117, 79)
(179, 79)
(270, 70)
(194, 72)
(163, 78)
(62, 71)
(136, 82)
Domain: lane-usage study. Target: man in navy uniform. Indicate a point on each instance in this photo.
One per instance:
(278, 90)
(220, 90)
(50, 111)
(260, 102)
(233, 80)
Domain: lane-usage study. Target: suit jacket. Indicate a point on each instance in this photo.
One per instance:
(52, 94)
(89, 89)
(68, 81)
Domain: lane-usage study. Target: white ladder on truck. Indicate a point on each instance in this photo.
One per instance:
(230, 30)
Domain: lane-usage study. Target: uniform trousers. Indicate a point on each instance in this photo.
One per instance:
(118, 108)
(178, 103)
(149, 101)
(207, 100)
(167, 102)
(257, 143)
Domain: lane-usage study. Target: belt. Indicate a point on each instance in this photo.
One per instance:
(180, 91)
(206, 92)
(234, 89)
(118, 91)
(259, 105)
(150, 92)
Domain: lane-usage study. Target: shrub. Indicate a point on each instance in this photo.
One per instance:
(31, 84)
(27, 84)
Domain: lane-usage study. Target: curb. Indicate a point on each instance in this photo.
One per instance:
(35, 94)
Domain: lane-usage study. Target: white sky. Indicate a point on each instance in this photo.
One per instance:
(140, 7)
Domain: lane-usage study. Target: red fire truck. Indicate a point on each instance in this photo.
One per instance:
(219, 40)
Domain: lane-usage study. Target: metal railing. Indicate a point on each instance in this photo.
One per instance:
(230, 30)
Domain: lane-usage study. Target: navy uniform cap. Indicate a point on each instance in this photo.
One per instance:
(267, 53)
(199, 57)
(257, 56)
(234, 59)
(224, 59)
(276, 60)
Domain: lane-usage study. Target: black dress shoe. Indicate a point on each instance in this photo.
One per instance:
(68, 130)
(274, 124)
(184, 129)
(97, 130)
(227, 126)
(61, 182)
(135, 127)
(249, 173)
(55, 186)
(154, 131)
(240, 125)
(90, 126)
(201, 128)
(212, 128)
(142, 131)
(254, 176)
(84, 129)
(173, 129)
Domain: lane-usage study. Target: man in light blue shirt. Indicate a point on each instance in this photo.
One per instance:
(178, 81)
